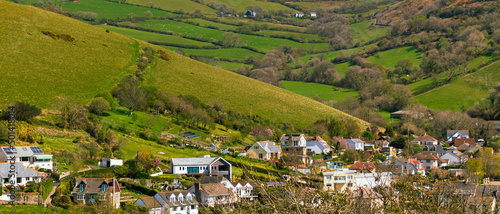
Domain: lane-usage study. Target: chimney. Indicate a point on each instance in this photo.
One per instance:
(197, 191)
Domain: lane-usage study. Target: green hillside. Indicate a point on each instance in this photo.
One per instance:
(37, 69)
(463, 92)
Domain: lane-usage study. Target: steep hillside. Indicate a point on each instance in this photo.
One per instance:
(36, 68)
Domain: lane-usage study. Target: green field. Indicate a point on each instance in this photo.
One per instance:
(241, 5)
(463, 92)
(342, 67)
(149, 36)
(389, 58)
(315, 5)
(230, 65)
(175, 5)
(111, 10)
(37, 69)
(325, 92)
(365, 31)
(302, 36)
(334, 54)
(223, 53)
(206, 23)
(261, 43)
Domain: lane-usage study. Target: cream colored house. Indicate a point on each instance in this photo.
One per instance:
(264, 150)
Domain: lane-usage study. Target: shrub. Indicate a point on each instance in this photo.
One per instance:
(164, 56)
(50, 33)
(67, 37)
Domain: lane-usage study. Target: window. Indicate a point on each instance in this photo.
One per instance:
(25, 158)
(428, 161)
(82, 187)
(192, 206)
(28, 179)
(328, 177)
(256, 147)
(182, 208)
(6, 180)
(104, 187)
(80, 197)
(102, 197)
(261, 156)
(19, 180)
(295, 143)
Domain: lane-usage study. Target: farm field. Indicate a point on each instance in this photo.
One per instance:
(315, 5)
(175, 5)
(325, 92)
(149, 36)
(241, 5)
(47, 59)
(111, 10)
(342, 67)
(365, 31)
(389, 58)
(190, 77)
(334, 54)
(302, 36)
(237, 21)
(463, 92)
(230, 65)
(223, 53)
(206, 23)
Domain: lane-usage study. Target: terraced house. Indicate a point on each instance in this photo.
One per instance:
(91, 190)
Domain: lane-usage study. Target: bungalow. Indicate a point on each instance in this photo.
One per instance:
(29, 156)
(425, 140)
(452, 134)
(356, 144)
(90, 190)
(211, 194)
(154, 207)
(21, 178)
(481, 205)
(438, 149)
(264, 150)
(317, 147)
(107, 162)
(363, 167)
(388, 151)
(177, 201)
(206, 165)
(299, 15)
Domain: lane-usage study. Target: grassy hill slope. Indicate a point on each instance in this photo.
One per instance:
(36, 68)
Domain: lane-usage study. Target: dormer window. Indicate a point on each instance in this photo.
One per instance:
(82, 187)
(104, 187)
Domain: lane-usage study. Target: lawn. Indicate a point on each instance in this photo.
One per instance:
(111, 10)
(389, 58)
(206, 23)
(149, 36)
(223, 53)
(236, 92)
(325, 92)
(175, 5)
(366, 31)
(241, 5)
(37, 69)
(462, 92)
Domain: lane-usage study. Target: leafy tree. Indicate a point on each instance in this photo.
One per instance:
(474, 168)
(389, 131)
(130, 94)
(398, 143)
(231, 39)
(24, 111)
(367, 135)
(98, 106)
(350, 156)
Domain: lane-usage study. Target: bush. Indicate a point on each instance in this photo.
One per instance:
(67, 37)
(164, 56)
(137, 187)
(50, 33)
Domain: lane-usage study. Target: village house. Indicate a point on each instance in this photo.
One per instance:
(91, 190)
(348, 180)
(264, 150)
(29, 156)
(299, 15)
(107, 162)
(452, 134)
(295, 145)
(317, 146)
(453, 159)
(154, 207)
(206, 165)
(425, 140)
(312, 14)
(21, 178)
(211, 194)
(356, 144)
(457, 142)
(177, 201)
(437, 149)
(363, 167)
(404, 166)
(388, 151)
(241, 190)
(430, 161)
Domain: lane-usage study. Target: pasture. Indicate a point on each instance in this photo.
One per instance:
(175, 5)
(111, 10)
(325, 92)
(389, 58)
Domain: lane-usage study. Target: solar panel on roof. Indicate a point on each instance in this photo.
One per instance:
(36, 150)
(8, 151)
(25, 149)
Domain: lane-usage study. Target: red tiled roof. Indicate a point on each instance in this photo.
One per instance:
(414, 161)
(425, 156)
(363, 166)
(424, 138)
(460, 141)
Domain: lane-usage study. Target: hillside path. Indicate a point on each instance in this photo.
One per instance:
(49, 197)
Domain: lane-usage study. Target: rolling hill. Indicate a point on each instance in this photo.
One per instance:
(37, 69)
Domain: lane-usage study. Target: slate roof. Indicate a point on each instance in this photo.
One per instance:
(21, 171)
(356, 140)
(214, 189)
(460, 141)
(194, 161)
(166, 195)
(93, 185)
(269, 147)
(150, 202)
(321, 144)
(452, 132)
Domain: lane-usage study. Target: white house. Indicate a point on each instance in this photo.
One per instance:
(299, 15)
(318, 147)
(29, 156)
(21, 177)
(356, 144)
(179, 202)
(107, 162)
(312, 14)
(206, 165)
(240, 189)
(425, 140)
(349, 180)
(452, 134)
(452, 158)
